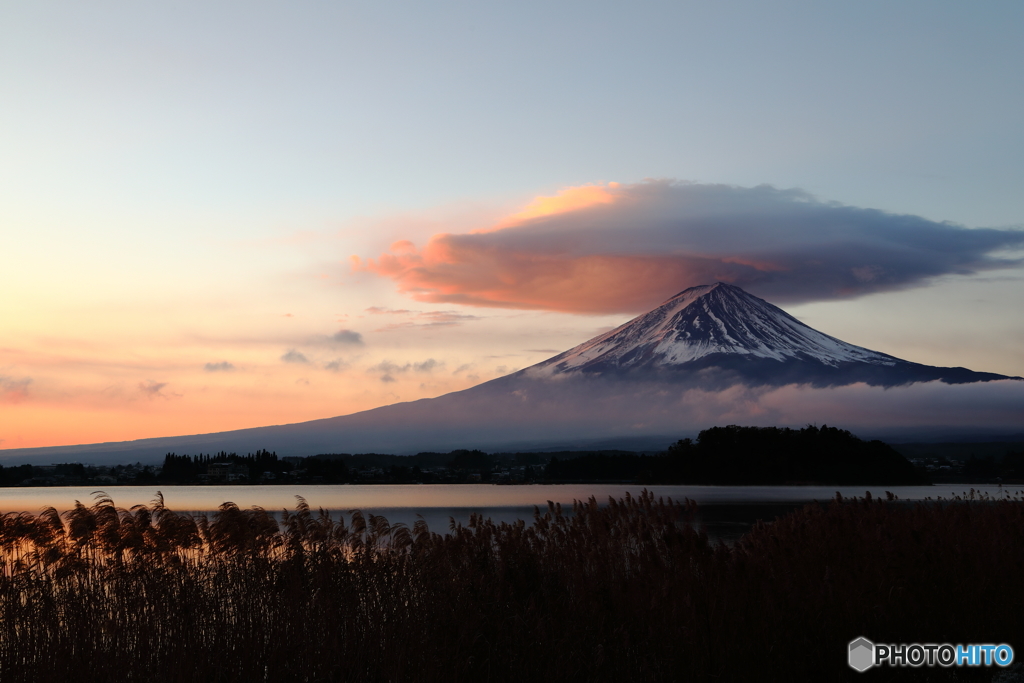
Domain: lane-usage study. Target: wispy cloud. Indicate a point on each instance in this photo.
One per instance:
(294, 356)
(222, 366)
(627, 248)
(444, 318)
(337, 365)
(390, 369)
(387, 367)
(425, 319)
(151, 390)
(14, 390)
(378, 310)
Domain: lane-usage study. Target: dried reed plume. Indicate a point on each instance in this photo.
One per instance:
(630, 590)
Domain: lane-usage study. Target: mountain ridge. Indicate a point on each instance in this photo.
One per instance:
(747, 338)
(711, 355)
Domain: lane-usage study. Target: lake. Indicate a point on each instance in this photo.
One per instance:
(726, 511)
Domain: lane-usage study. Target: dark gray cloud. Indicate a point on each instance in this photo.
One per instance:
(341, 338)
(294, 356)
(650, 240)
(429, 365)
(222, 366)
(347, 338)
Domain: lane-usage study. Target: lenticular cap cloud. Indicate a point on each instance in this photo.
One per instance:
(624, 248)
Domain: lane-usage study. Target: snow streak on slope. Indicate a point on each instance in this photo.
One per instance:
(700, 322)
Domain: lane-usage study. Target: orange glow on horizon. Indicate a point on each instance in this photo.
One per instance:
(80, 410)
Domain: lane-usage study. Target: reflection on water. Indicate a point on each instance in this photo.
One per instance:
(726, 511)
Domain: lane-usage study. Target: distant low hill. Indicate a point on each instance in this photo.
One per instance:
(735, 455)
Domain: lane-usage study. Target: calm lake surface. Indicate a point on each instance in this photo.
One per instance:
(726, 511)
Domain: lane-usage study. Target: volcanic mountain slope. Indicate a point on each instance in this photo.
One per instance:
(712, 355)
(728, 335)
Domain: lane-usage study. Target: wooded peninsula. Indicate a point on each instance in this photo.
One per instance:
(731, 455)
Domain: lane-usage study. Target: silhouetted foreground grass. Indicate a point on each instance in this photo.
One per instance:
(618, 592)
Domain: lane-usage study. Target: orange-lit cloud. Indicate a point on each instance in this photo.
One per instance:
(626, 248)
(568, 199)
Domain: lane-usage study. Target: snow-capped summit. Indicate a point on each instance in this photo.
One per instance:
(722, 326)
(706, 320)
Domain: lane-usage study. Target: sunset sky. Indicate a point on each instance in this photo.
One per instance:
(226, 215)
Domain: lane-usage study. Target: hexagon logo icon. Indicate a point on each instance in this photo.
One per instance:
(862, 654)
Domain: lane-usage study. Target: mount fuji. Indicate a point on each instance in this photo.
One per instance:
(742, 338)
(712, 354)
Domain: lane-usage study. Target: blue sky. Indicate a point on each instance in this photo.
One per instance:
(184, 185)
